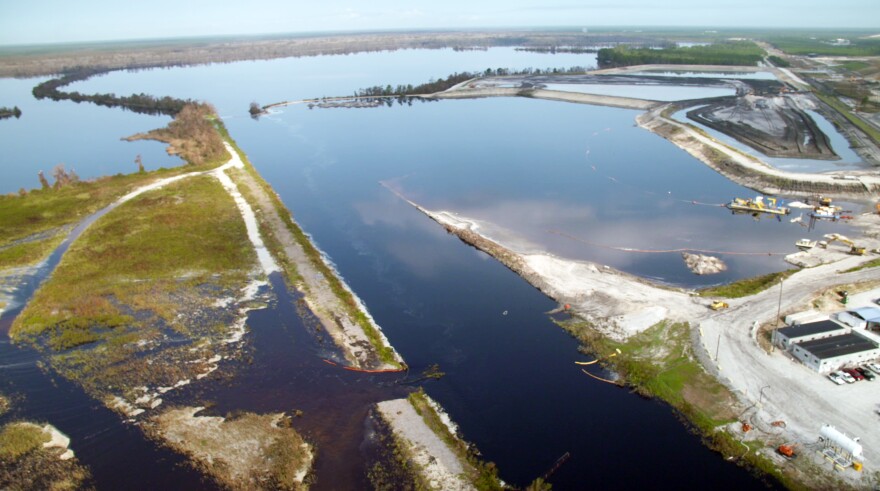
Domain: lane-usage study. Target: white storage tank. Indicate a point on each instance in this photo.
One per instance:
(833, 437)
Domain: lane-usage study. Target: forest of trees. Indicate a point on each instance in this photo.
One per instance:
(730, 53)
(139, 103)
(6, 112)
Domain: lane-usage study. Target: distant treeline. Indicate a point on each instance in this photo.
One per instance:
(804, 45)
(139, 103)
(442, 84)
(730, 53)
(5, 112)
(559, 49)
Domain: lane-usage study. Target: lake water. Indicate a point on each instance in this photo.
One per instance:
(533, 168)
(83, 137)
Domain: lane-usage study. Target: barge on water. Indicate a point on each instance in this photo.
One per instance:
(757, 205)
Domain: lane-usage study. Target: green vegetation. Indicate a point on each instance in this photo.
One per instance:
(778, 61)
(6, 112)
(4, 404)
(843, 109)
(826, 45)
(35, 222)
(17, 439)
(659, 362)
(139, 103)
(748, 286)
(189, 229)
(724, 53)
(483, 475)
(873, 263)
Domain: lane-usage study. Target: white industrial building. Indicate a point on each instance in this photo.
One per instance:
(861, 318)
(831, 353)
(787, 336)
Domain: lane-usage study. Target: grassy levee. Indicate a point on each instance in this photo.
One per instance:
(127, 282)
(843, 109)
(483, 475)
(660, 362)
(747, 286)
(353, 309)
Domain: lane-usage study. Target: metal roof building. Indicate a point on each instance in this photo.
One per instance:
(830, 353)
(787, 336)
(861, 318)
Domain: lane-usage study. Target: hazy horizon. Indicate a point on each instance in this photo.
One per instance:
(59, 22)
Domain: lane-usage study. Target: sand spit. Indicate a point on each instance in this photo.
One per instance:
(618, 304)
(435, 461)
(249, 452)
(467, 92)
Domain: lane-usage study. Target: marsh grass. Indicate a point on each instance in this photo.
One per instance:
(17, 439)
(659, 362)
(35, 222)
(186, 234)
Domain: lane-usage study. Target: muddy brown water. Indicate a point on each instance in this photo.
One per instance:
(286, 372)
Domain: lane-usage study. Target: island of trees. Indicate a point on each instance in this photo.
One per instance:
(139, 103)
(6, 112)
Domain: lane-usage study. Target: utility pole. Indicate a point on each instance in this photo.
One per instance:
(717, 346)
(779, 306)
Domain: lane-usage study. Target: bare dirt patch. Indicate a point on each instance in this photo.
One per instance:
(249, 452)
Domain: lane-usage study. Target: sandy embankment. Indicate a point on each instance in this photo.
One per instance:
(467, 92)
(329, 308)
(618, 304)
(435, 461)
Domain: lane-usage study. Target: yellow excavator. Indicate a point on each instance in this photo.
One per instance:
(718, 305)
(854, 249)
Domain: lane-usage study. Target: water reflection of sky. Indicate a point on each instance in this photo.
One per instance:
(685, 74)
(649, 92)
(84, 137)
(574, 180)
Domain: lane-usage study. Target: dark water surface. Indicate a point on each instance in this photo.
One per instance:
(528, 166)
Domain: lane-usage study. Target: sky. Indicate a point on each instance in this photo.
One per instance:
(59, 21)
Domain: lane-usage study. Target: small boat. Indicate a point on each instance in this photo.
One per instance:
(805, 244)
(757, 205)
(827, 212)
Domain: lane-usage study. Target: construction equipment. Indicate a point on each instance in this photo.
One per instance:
(757, 205)
(718, 305)
(787, 451)
(854, 249)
